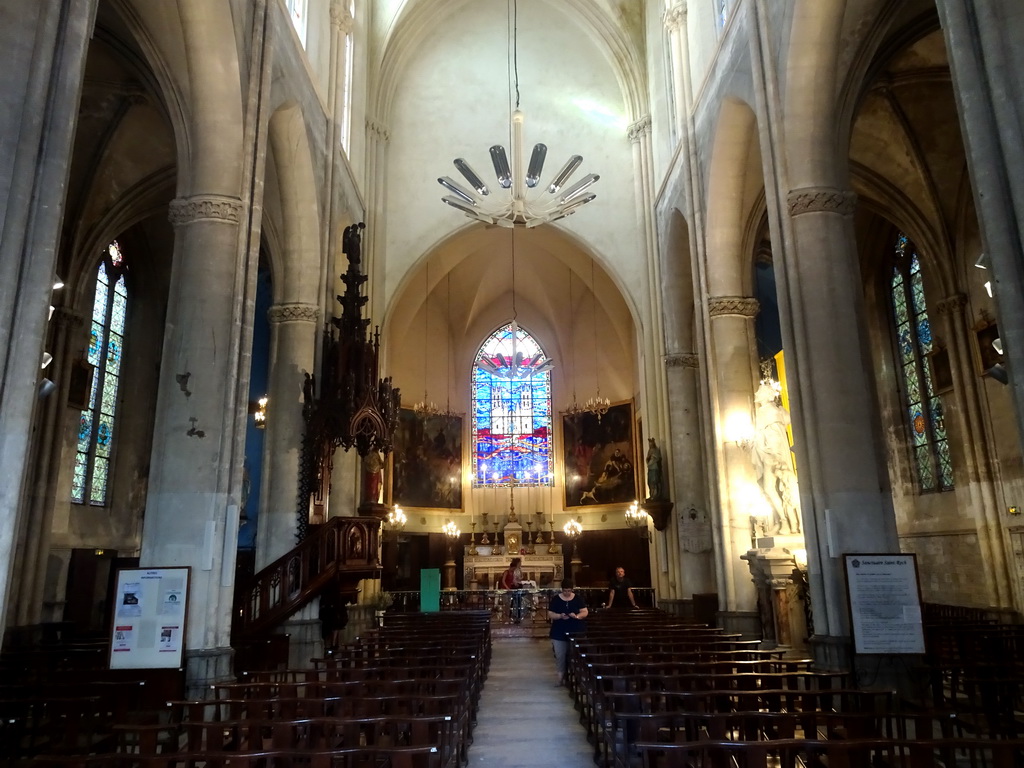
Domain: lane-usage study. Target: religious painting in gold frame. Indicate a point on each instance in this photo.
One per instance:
(426, 464)
(599, 453)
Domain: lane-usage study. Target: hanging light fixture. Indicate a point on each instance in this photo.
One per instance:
(596, 405)
(528, 202)
(425, 407)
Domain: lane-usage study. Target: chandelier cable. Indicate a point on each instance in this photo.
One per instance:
(572, 352)
(426, 325)
(448, 347)
(593, 318)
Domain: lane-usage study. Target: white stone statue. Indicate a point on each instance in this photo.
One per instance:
(773, 462)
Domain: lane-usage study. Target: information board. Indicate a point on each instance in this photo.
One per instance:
(148, 627)
(885, 603)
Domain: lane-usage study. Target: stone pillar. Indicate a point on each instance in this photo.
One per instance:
(985, 60)
(293, 339)
(693, 533)
(841, 471)
(31, 558)
(374, 240)
(191, 519)
(44, 48)
(979, 477)
(675, 23)
(733, 348)
(653, 402)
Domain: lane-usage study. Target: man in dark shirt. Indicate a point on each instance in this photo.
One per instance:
(620, 591)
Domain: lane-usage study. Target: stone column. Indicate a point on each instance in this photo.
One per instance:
(374, 240)
(979, 478)
(985, 60)
(191, 519)
(841, 471)
(692, 546)
(31, 558)
(293, 339)
(45, 47)
(733, 348)
(675, 23)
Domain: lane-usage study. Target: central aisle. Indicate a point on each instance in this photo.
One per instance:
(526, 720)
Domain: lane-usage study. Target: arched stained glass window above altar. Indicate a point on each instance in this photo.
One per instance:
(511, 410)
(106, 344)
(925, 415)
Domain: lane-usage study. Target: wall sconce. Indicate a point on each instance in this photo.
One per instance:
(259, 412)
(636, 518)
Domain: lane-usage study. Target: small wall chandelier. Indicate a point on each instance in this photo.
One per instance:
(530, 203)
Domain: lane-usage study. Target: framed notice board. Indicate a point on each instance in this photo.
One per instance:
(148, 627)
(885, 603)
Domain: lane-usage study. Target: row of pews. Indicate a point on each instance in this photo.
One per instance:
(653, 692)
(405, 696)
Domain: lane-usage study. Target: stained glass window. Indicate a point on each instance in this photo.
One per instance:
(297, 11)
(106, 342)
(928, 440)
(722, 12)
(511, 410)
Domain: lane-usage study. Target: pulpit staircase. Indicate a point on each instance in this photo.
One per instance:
(335, 555)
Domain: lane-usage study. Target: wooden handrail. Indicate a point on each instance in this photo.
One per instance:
(340, 552)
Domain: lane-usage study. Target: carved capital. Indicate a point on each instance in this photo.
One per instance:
(733, 306)
(821, 200)
(640, 129)
(675, 17)
(293, 313)
(187, 210)
(341, 19)
(379, 130)
(951, 304)
(682, 360)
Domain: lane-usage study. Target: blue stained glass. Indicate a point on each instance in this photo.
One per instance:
(85, 429)
(96, 336)
(511, 416)
(914, 340)
(924, 333)
(906, 343)
(106, 347)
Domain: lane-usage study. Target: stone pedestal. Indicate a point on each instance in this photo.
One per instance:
(779, 603)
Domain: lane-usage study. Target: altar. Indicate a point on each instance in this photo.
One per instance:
(483, 571)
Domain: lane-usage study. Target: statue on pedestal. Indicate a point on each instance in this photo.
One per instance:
(773, 462)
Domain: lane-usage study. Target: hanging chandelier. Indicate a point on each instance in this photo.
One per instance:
(528, 203)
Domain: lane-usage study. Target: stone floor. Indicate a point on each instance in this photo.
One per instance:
(526, 720)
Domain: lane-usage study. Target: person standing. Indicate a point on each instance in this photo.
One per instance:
(512, 579)
(567, 610)
(621, 590)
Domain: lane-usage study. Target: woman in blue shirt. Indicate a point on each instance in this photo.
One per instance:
(567, 610)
